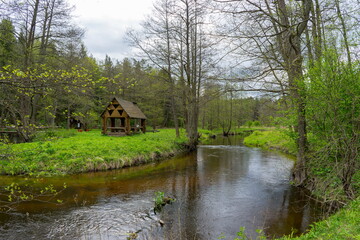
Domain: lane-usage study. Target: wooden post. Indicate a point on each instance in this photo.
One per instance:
(143, 125)
(112, 124)
(127, 126)
(104, 125)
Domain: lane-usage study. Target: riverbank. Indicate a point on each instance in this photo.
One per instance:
(62, 151)
(344, 224)
(68, 151)
(272, 140)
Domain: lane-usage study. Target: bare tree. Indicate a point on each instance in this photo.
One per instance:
(274, 41)
(174, 40)
(45, 21)
(156, 42)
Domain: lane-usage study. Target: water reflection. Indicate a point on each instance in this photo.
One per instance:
(218, 189)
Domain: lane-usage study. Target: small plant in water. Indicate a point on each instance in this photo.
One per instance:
(160, 200)
(241, 235)
(132, 235)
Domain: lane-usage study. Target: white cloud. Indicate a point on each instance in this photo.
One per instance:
(106, 22)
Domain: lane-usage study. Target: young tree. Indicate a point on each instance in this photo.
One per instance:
(7, 43)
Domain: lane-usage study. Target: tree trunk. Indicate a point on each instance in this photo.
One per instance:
(68, 117)
(291, 53)
(31, 35)
(343, 31)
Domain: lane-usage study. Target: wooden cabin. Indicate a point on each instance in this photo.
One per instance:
(122, 118)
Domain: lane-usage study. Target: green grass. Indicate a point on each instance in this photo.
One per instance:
(272, 139)
(69, 151)
(345, 224)
(206, 134)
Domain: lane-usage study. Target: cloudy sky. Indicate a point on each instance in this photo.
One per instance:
(105, 23)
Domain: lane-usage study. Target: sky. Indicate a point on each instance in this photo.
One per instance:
(106, 22)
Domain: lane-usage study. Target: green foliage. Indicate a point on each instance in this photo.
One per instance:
(158, 201)
(7, 43)
(250, 124)
(333, 110)
(13, 194)
(333, 97)
(272, 139)
(241, 235)
(22, 89)
(52, 134)
(345, 224)
(88, 151)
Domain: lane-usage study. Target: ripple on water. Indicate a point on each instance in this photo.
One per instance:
(112, 218)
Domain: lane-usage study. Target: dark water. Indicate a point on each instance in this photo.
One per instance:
(222, 187)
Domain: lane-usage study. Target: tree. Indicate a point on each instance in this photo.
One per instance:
(16, 85)
(333, 110)
(286, 40)
(157, 44)
(175, 41)
(7, 43)
(41, 25)
(278, 28)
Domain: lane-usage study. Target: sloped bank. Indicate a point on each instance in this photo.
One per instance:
(345, 224)
(271, 140)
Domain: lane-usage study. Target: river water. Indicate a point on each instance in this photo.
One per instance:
(218, 189)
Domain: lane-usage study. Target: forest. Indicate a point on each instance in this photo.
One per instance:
(289, 64)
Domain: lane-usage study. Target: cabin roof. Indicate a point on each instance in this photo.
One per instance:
(131, 108)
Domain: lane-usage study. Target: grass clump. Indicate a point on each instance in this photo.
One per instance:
(160, 201)
(272, 139)
(52, 134)
(88, 151)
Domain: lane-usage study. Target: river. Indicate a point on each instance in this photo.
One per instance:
(218, 189)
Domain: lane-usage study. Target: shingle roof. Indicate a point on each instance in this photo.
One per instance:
(131, 108)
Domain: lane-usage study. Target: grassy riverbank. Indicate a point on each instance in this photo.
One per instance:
(272, 139)
(345, 224)
(68, 151)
